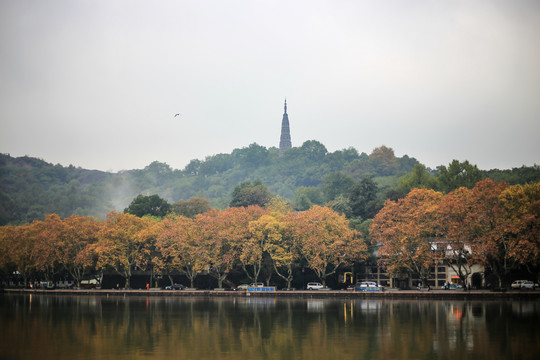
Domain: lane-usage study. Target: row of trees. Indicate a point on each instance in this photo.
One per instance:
(214, 242)
(492, 224)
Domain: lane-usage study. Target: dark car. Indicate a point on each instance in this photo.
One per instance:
(175, 287)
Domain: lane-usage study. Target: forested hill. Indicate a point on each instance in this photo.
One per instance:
(309, 174)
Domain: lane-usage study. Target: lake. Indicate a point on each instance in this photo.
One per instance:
(41, 326)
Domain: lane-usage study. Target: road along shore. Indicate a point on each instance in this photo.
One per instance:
(347, 294)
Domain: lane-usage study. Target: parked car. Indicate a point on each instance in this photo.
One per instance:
(46, 285)
(527, 285)
(367, 284)
(314, 286)
(247, 286)
(175, 287)
(517, 284)
(451, 286)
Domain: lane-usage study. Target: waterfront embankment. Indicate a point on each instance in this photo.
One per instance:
(387, 294)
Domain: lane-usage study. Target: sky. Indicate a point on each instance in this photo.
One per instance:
(96, 83)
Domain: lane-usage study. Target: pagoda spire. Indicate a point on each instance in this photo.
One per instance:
(285, 140)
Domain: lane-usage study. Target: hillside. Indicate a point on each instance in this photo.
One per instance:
(31, 188)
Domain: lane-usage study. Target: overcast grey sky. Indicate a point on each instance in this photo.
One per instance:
(96, 84)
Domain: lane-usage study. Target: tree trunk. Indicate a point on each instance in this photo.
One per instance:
(191, 275)
(256, 272)
(287, 278)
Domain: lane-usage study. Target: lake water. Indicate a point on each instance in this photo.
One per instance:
(171, 327)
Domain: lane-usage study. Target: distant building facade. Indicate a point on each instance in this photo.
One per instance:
(444, 271)
(285, 140)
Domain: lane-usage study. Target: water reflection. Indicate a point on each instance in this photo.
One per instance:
(116, 327)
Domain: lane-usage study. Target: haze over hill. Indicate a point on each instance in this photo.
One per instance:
(304, 175)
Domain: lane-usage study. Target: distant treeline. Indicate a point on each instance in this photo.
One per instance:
(352, 183)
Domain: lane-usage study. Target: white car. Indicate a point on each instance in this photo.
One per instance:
(527, 285)
(246, 286)
(517, 284)
(314, 286)
(369, 284)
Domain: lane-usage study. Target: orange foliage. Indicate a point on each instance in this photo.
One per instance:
(406, 230)
(326, 241)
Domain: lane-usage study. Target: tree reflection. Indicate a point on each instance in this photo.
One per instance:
(79, 327)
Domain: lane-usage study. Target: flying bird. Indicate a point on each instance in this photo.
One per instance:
(175, 115)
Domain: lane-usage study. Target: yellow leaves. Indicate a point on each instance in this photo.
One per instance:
(278, 207)
(124, 240)
(325, 239)
(266, 229)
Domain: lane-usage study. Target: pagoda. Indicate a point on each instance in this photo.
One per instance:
(285, 140)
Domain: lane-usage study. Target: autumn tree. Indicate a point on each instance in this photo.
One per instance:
(223, 234)
(250, 249)
(124, 244)
(191, 207)
(17, 244)
(522, 205)
(6, 266)
(283, 246)
(384, 160)
(266, 245)
(263, 230)
(406, 231)
(75, 253)
(491, 245)
(45, 252)
(166, 260)
(326, 242)
(180, 243)
(457, 231)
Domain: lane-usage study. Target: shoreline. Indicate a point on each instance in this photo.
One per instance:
(327, 294)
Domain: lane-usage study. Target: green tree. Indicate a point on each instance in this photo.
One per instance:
(419, 178)
(251, 157)
(335, 184)
(148, 205)
(363, 198)
(340, 205)
(247, 193)
(458, 174)
(191, 207)
(306, 197)
(313, 150)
